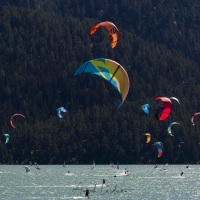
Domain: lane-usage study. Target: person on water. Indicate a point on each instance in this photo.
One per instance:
(103, 184)
(181, 173)
(87, 193)
(126, 171)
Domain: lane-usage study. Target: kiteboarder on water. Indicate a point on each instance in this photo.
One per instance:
(181, 174)
(126, 171)
(87, 193)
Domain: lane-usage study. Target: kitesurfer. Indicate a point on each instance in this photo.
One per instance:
(87, 193)
(181, 173)
(126, 171)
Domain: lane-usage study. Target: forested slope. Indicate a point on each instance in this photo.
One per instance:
(42, 43)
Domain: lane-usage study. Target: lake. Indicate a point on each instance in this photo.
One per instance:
(54, 182)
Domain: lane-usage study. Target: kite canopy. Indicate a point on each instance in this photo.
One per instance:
(174, 98)
(164, 110)
(110, 71)
(146, 108)
(60, 110)
(7, 137)
(159, 146)
(148, 137)
(11, 119)
(170, 127)
(192, 119)
(111, 29)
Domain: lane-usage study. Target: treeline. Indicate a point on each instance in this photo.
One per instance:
(42, 43)
(175, 23)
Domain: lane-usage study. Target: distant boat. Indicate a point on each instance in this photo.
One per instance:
(36, 165)
(117, 165)
(27, 169)
(111, 164)
(93, 165)
(125, 173)
(164, 168)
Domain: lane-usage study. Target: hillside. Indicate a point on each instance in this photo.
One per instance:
(42, 44)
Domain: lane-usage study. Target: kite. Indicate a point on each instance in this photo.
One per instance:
(192, 119)
(60, 110)
(159, 146)
(148, 137)
(109, 70)
(170, 127)
(174, 98)
(146, 108)
(11, 119)
(7, 137)
(111, 29)
(164, 110)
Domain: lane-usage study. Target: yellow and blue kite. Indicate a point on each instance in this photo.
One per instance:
(109, 70)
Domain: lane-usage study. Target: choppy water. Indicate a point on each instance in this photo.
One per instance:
(53, 182)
